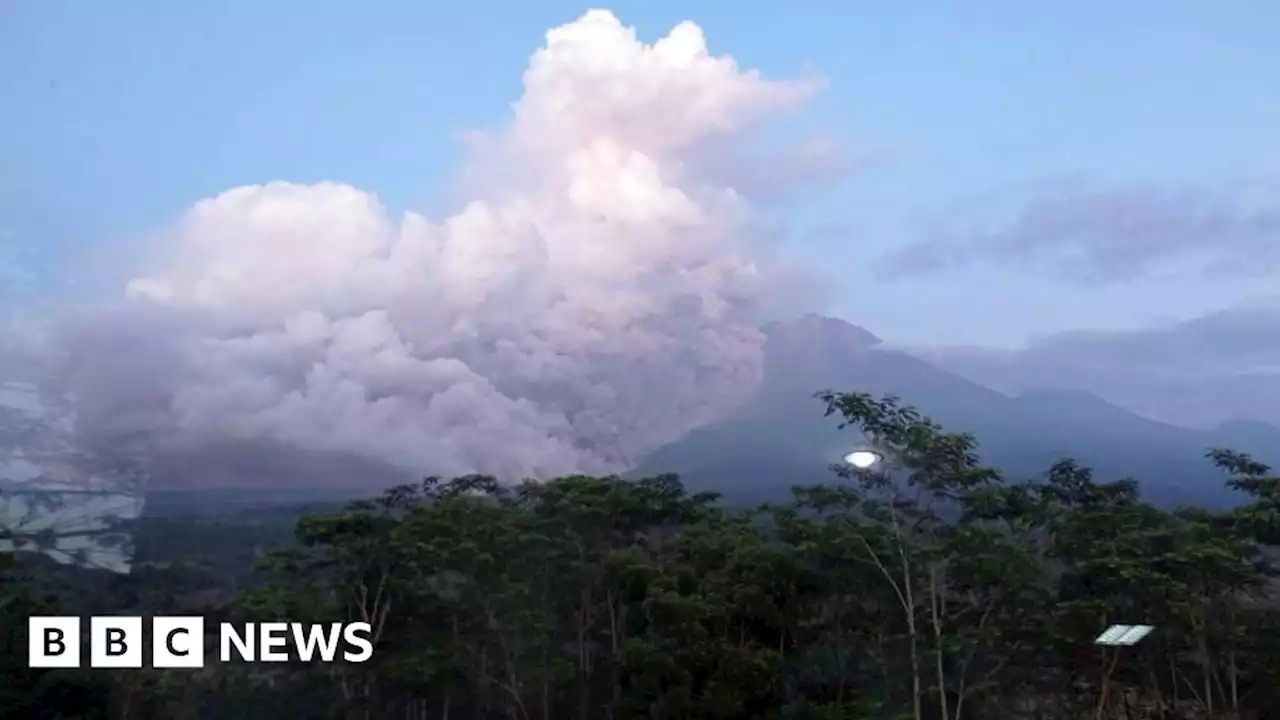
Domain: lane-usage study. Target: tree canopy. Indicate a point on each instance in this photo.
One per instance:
(928, 586)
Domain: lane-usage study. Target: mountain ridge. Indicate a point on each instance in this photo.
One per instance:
(782, 430)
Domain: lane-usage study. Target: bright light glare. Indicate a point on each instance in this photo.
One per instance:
(1123, 635)
(862, 459)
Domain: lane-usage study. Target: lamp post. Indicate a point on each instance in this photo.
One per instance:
(864, 458)
(1117, 636)
(1123, 635)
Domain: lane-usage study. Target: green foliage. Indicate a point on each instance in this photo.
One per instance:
(925, 587)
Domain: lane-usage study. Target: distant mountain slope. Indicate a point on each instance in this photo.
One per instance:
(779, 438)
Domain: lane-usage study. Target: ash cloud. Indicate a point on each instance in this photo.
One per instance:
(596, 298)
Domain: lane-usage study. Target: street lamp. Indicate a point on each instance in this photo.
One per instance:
(1123, 635)
(863, 458)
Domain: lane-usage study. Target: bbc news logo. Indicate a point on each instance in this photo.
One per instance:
(178, 642)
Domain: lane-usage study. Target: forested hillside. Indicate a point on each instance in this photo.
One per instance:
(927, 587)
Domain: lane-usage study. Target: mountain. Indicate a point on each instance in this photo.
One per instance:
(779, 437)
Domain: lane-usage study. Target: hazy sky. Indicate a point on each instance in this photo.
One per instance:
(1022, 167)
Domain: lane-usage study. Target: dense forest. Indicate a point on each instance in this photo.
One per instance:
(925, 587)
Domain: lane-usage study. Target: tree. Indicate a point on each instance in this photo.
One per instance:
(928, 587)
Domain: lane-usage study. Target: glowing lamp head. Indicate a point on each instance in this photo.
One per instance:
(862, 459)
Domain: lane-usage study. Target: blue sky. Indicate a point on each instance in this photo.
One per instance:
(118, 116)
